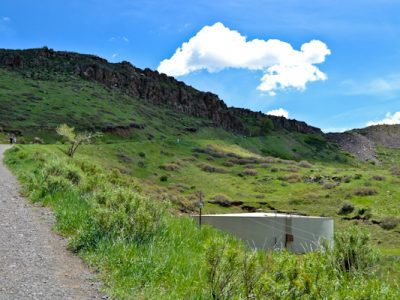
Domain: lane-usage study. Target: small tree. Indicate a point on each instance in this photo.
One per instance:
(266, 126)
(75, 139)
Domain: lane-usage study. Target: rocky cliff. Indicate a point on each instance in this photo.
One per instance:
(148, 85)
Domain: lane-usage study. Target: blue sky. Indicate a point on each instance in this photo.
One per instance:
(363, 69)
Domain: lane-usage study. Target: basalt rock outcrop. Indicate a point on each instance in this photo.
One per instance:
(148, 85)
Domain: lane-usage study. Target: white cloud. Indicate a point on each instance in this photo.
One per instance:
(217, 47)
(125, 39)
(389, 119)
(6, 19)
(280, 112)
(114, 55)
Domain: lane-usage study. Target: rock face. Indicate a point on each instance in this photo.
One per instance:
(148, 85)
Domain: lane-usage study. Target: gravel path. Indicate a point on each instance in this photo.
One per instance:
(34, 262)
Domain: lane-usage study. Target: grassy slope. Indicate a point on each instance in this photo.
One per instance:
(174, 260)
(278, 183)
(35, 107)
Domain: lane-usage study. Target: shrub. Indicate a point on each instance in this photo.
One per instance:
(223, 264)
(125, 214)
(221, 200)
(59, 168)
(163, 178)
(346, 209)
(357, 176)
(292, 178)
(304, 164)
(37, 140)
(329, 185)
(365, 191)
(170, 167)
(366, 213)
(354, 252)
(249, 172)
(228, 164)
(378, 177)
(212, 169)
(389, 223)
(142, 154)
(395, 170)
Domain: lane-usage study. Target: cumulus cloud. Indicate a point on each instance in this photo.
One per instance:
(280, 112)
(217, 47)
(390, 119)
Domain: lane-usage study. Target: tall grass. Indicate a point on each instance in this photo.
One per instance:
(142, 251)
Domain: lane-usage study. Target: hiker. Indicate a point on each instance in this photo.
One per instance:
(14, 139)
(11, 139)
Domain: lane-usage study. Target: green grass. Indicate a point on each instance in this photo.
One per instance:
(142, 251)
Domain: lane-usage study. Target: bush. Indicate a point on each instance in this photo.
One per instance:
(163, 178)
(378, 177)
(304, 164)
(170, 167)
(389, 223)
(366, 213)
(292, 178)
(228, 164)
(59, 168)
(395, 170)
(37, 140)
(346, 209)
(354, 252)
(329, 185)
(125, 214)
(365, 191)
(249, 172)
(212, 169)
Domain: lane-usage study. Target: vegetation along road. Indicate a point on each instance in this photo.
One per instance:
(34, 263)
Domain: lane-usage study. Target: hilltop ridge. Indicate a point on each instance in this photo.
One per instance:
(148, 85)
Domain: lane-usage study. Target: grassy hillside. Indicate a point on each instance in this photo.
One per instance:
(35, 107)
(142, 251)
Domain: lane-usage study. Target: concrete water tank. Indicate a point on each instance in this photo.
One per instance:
(269, 231)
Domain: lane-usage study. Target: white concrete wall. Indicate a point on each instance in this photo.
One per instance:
(269, 232)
